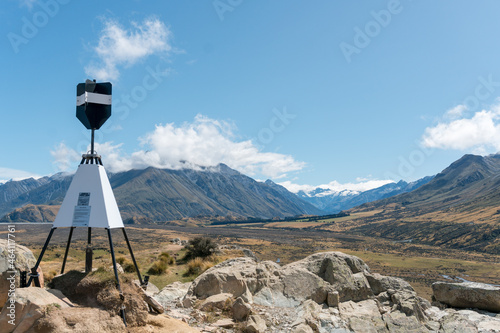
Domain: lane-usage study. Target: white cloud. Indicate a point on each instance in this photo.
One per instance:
(335, 187)
(204, 142)
(124, 47)
(7, 174)
(64, 157)
(456, 112)
(480, 133)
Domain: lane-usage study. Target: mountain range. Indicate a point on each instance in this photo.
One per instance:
(333, 202)
(459, 207)
(161, 195)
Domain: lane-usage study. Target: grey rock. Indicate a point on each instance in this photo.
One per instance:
(23, 261)
(241, 309)
(255, 324)
(468, 295)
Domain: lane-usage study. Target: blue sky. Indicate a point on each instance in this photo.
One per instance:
(348, 94)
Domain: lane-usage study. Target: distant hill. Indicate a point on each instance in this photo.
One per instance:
(164, 194)
(459, 208)
(471, 182)
(343, 200)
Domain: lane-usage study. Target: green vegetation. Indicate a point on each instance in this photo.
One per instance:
(160, 266)
(200, 247)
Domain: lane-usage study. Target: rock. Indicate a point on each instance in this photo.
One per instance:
(255, 324)
(219, 301)
(292, 299)
(468, 295)
(332, 298)
(226, 277)
(61, 296)
(344, 272)
(241, 309)
(380, 283)
(263, 283)
(27, 306)
(154, 304)
(119, 268)
(24, 261)
(80, 320)
(410, 304)
(302, 328)
(249, 253)
(362, 316)
(151, 289)
(172, 293)
(224, 323)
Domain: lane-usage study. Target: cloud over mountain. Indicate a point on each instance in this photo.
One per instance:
(203, 142)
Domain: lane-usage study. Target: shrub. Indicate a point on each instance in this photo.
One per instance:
(165, 256)
(159, 267)
(200, 247)
(197, 266)
(129, 267)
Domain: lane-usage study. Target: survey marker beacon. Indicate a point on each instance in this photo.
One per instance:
(90, 201)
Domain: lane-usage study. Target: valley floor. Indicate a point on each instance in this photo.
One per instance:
(421, 265)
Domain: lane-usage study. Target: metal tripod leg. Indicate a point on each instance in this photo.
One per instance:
(67, 249)
(122, 310)
(132, 255)
(89, 252)
(34, 273)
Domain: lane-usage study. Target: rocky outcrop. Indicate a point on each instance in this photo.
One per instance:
(468, 295)
(11, 267)
(325, 292)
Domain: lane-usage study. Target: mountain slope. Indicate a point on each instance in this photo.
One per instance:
(470, 179)
(163, 194)
(459, 208)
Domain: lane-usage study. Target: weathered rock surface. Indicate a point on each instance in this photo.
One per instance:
(255, 324)
(327, 292)
(28, 305)
(241, 309)
(23, 261)
(468, 295)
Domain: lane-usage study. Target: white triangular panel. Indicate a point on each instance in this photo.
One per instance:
(90, 201)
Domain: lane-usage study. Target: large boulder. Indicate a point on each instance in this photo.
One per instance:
(172, 293)
(326, 292)
(263, 283)
(344, 272)
(468, 295)
(11, 267)
(26, 307)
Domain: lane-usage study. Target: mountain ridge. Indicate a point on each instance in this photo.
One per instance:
(166, 194)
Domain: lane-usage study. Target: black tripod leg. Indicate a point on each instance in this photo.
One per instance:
(67, 249)
(132, 255)
(116, 276)
(34, 269)
(89, 253)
